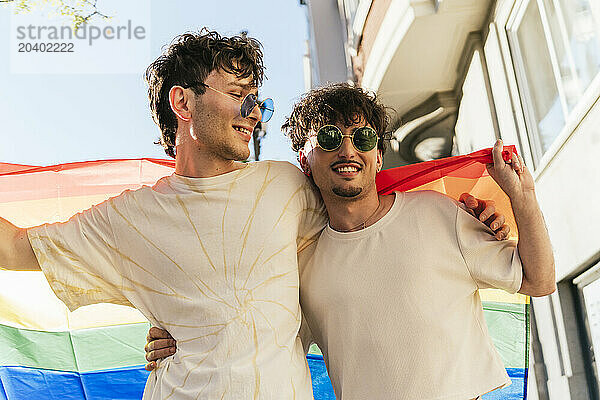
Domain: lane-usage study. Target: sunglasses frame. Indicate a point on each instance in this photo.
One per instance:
(351, 136)
(253, 98)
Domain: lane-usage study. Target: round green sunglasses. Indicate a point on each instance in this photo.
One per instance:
(330, 138)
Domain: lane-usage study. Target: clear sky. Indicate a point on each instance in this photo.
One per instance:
(51, 118)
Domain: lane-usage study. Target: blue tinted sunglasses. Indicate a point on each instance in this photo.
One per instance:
(266, 107)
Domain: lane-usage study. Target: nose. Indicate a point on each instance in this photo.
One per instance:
(346, 150)
(255, 115)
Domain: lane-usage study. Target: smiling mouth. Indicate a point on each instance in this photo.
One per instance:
(346, 170)
(243, 130)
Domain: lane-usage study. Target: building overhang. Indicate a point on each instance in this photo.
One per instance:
(417, 49)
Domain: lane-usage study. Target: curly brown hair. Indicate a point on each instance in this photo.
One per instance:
(331, 104)
(189, 59)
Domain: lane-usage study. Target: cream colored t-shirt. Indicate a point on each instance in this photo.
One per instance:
(213, 261)
(395, 307)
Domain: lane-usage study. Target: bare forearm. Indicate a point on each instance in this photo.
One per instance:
(534, 246)
(15, 250)
(535, 249)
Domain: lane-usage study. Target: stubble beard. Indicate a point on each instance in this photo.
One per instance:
(224, 149)
(233, 149)
(236, 154)
(347, 192)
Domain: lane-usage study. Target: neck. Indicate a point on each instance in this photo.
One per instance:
(195, 162)
(347, 215)
(197, 166)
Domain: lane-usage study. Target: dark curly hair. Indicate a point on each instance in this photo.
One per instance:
(190, 58)
(331, 104)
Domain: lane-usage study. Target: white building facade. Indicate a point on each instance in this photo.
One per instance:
(461, 73)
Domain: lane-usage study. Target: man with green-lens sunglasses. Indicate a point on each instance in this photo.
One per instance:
(390, 293)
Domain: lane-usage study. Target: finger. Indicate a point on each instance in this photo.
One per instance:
(516, 164)
(497, 154)
(502, 233)
(469, 200)
(157, 333)
(159, 344)
(470, 203)
(497, 222)
(488, 211)
(159, 354)
(151, 366)
(521, 162)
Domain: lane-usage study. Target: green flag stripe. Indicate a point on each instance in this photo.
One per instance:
(78, 351)
(123, 345)
(315, 350)
(508, 307)
(507, 326)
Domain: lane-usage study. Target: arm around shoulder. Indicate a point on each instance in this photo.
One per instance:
(16, 252)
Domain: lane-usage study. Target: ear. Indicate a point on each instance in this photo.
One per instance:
(178, 100)
(303, 159)
(379, 160)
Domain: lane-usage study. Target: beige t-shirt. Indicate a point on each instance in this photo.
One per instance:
(395, 307)
(213, 261)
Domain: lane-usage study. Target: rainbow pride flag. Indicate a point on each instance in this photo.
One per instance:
(96, 352)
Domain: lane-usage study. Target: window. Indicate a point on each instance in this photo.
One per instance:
(475, 110)
(557, 56)
(580, 59)
(588, 285)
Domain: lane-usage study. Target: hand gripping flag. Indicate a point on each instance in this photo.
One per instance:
(96, 352)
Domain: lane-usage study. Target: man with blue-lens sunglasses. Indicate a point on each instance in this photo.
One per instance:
(209, 252)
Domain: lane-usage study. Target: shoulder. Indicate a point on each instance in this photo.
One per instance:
(283, 170)
(279, 166)
(293, 181)
(128, 197)
(430, 199)
(430, 207)
(163, 185)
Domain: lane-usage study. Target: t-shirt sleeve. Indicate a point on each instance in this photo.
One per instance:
(78, 258)
(491, 263)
